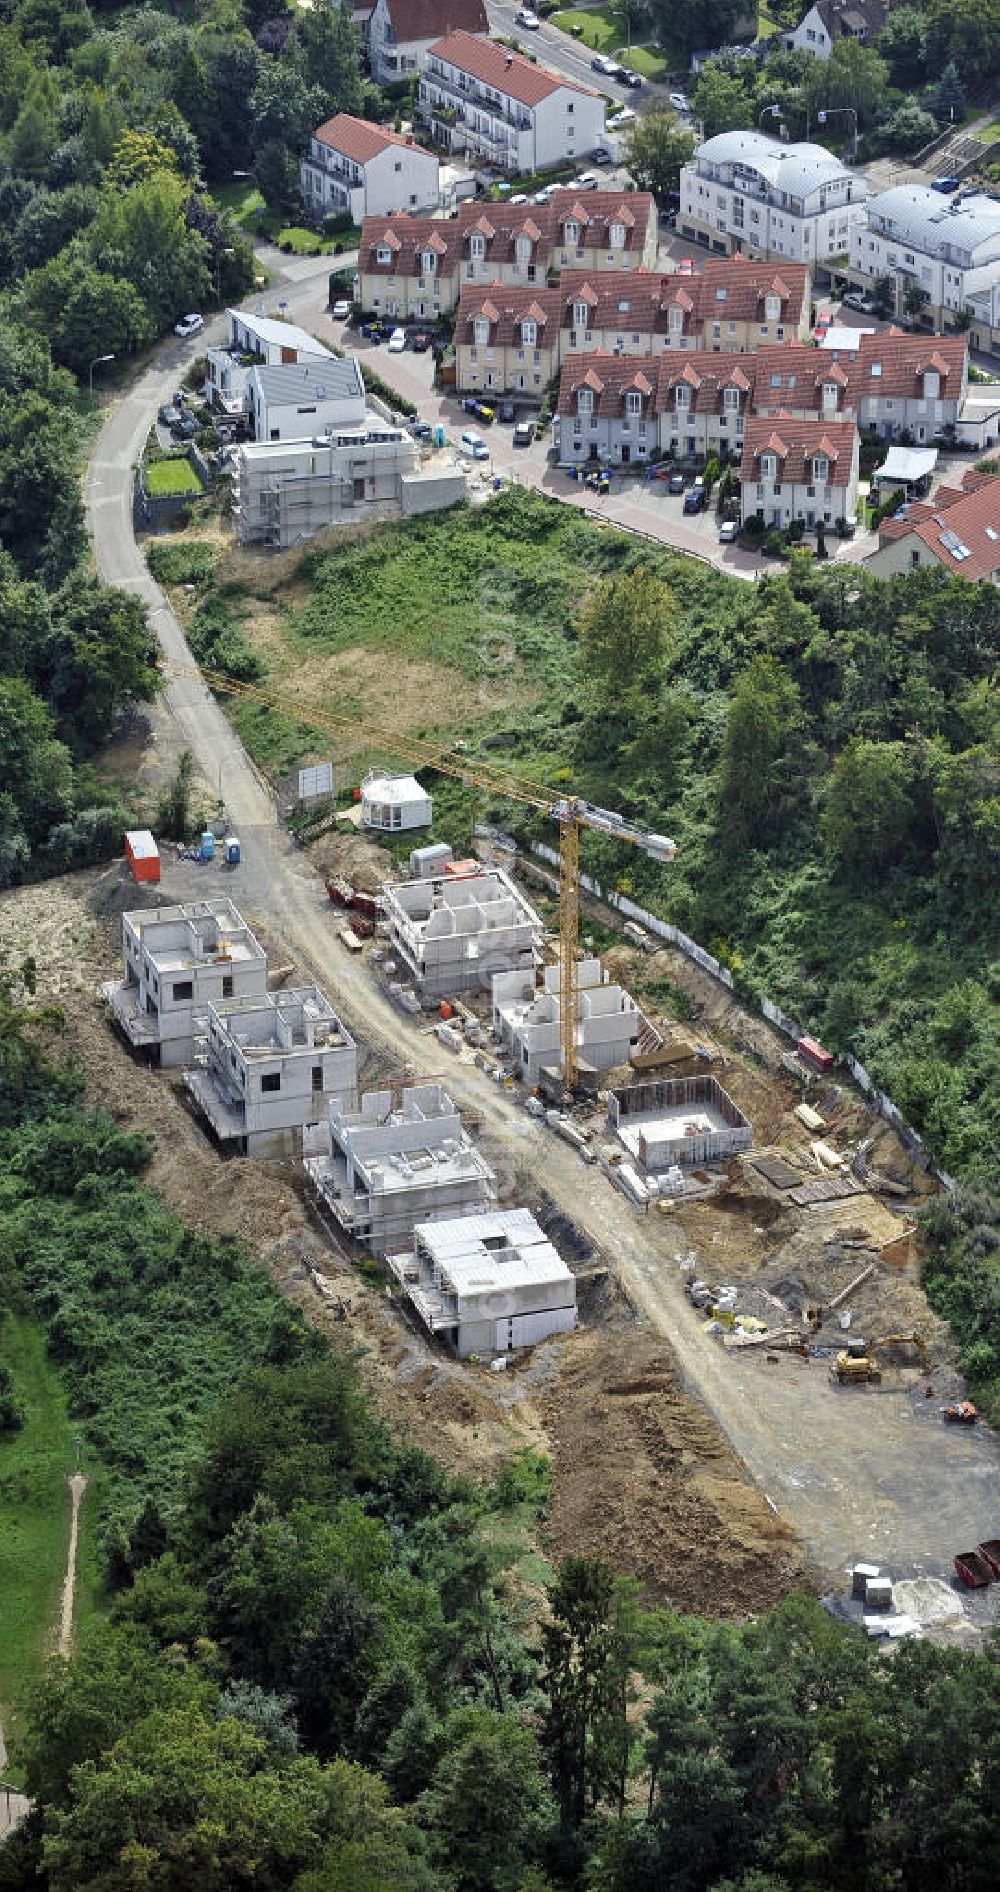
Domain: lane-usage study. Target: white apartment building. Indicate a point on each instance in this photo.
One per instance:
(742, 191)
(453, 934)
(382, 1169)
(947, 247)
(177, 962)
(311, 397)
(271, 1065)
(482, 99)
(487, 1283)
(282, 493)
(358, 169)
(256, 341)
(401, 33)
(526, 1020)
(799, 469)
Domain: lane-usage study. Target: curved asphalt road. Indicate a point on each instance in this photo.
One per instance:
(854, 1475)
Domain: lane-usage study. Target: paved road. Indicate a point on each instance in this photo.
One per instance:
(851, 1475)
(561, 53)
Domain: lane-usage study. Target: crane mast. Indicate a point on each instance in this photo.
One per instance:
(570, 812)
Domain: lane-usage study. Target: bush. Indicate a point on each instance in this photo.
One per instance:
(11, 1409)
(191, 563)
(93, 835)
(219, 644)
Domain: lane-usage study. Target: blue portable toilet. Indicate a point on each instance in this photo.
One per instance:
(232, 850)
(439, 436)
(207, 849)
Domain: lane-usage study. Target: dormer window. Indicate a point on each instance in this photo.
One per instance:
(821, 469)
(768, 466)
(430, 262)
(581, 315)
(721, 294)
(477, 247)
(633, 402)
(772, 308)
(875, 370)
(571, 233)
(932, 384)
(731, 399)
(522, 249)
(529, 332)
(616, 236)
(682, 395)
(383, 254)
(584, 400)
(481, 331)
(675, 319)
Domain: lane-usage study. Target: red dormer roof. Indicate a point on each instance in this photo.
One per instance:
(504, 71)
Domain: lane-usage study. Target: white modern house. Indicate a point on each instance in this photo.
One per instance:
(177, 962)
(311, 397)
(357, 169)
(392, 803)
(830, 20)
(743, 191)
(480, 98)
(256, 341)
(382, 1169)
(286, 491)
(957, 531)
(487, 1284)
(401, 33)
(946, 247)
(526, 1018)
(271, 1065)
(452, 934)
(799, 469)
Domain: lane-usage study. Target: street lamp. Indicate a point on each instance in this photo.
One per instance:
(767, 111)
(833, 111)
(775, 111)
(96, 364)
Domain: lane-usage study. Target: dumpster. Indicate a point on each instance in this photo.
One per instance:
(232, 850)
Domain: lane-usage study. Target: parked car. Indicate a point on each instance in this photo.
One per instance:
(420, 342)
(420, 429)
(472, 404)
(601, 63)
(686, 266)
(676, 483)
(602, 155)
(625, 117)
(587, 181)
(630, 78)
(474, 444)
(507, 410)
(520, 198)
(544, 195)
(524, 433)
(168, 415)
(946, 185)
(189, 325)
(184, 427)
(679, 101)
(694, 499)
(341, 309)
(397, 341)
(728, 531)
(856, 299)
(530, 21)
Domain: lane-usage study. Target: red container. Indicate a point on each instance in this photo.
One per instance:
(973, 1570)
(990, 1553)
(341, 892)
(446, 1009)
(142, 854)
(364, 901)
(812, 1052)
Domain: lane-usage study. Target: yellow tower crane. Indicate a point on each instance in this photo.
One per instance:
(570, 812)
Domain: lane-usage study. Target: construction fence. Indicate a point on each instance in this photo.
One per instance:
(879, 1099)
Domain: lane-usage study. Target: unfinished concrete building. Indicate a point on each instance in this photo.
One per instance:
(179, 961)
(526, 1019)
(272, 1065)
(385, 1168)
(487, 1283)
(681, 1120)
(454, 934)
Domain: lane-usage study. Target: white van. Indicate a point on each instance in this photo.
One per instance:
(474, 444)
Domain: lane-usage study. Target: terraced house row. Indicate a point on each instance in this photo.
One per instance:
(619, 408)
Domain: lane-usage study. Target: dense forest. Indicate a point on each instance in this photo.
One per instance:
(318, 1671)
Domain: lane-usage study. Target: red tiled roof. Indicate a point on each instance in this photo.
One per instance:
(505, 71)
(966, 536)
(359, 140)
(707, 375)
(506, 306)
(904, 360)
(795, 442)
(610, 378)
(746, 283)
(543, 222)
(426, 19)
(617, 298)
(408, 237)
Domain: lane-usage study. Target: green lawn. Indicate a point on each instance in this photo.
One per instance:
(34, 1520)
(166, 477)
(603, 32)
(987, 134)
(241, 199)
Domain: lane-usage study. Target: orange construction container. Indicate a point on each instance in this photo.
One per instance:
(142, 854)
(446, 1009)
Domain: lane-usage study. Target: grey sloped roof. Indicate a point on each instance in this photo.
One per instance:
(295, 383)
(926, 219)
(798, 168)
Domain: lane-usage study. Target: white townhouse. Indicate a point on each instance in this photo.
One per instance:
(358, 169)
(742, 191)
(799, 469)
(947, 247)
(255, 340)
(307, 398)
(830, 20)
(402, 32)
(482, 99)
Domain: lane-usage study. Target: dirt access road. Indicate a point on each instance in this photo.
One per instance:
(867, 1476)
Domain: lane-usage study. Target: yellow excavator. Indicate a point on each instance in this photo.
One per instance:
(858, 1363)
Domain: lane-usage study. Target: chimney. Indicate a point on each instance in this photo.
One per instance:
(510, 60)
